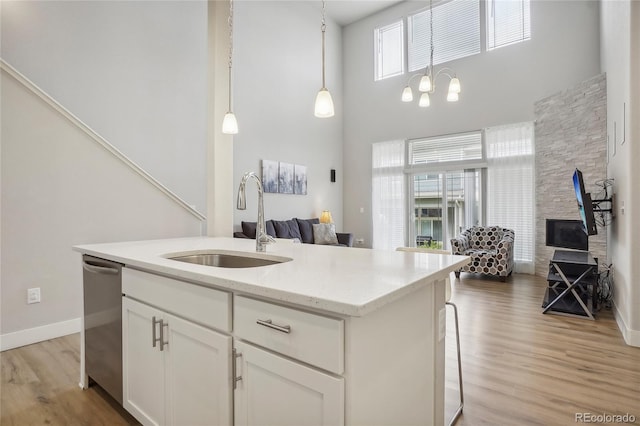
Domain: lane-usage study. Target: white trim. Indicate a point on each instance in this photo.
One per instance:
(631, 337)
(39, 334)
(96, 137)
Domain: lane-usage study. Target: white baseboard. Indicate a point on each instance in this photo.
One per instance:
(39, 334)
(631, 337)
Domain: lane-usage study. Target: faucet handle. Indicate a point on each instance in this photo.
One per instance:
(267, 239)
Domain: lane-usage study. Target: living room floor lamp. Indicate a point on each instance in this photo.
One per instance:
(427, 82)
(324, 103)
(229, 123)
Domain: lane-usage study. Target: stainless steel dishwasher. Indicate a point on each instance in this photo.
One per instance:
(102, 285)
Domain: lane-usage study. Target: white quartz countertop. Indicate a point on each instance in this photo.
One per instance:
(341, 280)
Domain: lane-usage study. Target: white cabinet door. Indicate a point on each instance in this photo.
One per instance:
(185, 383)
(198, 371)
(143, 365)
(279, 392)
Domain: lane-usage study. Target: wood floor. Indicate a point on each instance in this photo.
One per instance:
(520, 367)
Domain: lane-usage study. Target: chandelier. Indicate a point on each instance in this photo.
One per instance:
(427, 82)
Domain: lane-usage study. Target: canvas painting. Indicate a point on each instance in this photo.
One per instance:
(285, 178)
(270, 176)
(300, 180)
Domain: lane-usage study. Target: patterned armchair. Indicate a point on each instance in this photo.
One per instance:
(490, 249)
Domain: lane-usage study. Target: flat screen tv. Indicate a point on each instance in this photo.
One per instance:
(585, 206)
(566, 234)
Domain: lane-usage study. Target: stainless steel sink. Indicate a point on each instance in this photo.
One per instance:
(228, 260)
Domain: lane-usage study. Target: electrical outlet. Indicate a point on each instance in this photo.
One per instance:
(33, 295)
(359, 241)
(442, 324)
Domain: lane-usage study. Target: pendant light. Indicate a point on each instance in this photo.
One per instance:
(427, 81)
(324, 103)
(229, 123)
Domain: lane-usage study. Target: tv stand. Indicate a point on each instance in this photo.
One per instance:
(573, 279)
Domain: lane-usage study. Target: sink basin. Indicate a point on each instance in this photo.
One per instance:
(229, 259)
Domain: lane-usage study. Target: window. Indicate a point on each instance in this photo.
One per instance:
(388, 195)
(456, 33)
(508, 22)
(389, 53)
(510, 187)
(460, 147)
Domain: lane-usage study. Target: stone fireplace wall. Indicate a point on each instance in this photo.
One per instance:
(570, 133)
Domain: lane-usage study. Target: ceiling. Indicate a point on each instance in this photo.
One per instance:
(345, 12)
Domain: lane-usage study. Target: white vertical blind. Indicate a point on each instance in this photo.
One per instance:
(510, 187)
(389, 50)
(456, 33)
(388, 195)
(508, 21)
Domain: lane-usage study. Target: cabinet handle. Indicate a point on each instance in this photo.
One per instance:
(162, 342)
(234, 368)
(153, 331)
(270, 324)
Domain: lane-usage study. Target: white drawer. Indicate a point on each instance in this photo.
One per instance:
(312, 338)
(203, 305)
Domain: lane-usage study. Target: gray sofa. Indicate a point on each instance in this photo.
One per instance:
(302, 229)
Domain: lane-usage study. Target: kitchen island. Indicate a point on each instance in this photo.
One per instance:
(327, 336)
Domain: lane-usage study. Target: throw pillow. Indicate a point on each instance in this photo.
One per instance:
(325, 233)
(287, 229)
(249, 229)
(306, 229)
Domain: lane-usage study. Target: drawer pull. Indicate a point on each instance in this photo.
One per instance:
(270, 324)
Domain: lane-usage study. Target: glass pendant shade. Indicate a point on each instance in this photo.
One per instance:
(424, 100)
(425, 84)
(229, 124)
(452, 97)
(407, 94)
(324, 104)
(454, 85)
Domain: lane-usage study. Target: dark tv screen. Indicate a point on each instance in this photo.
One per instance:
(566, 234)
(585, 206)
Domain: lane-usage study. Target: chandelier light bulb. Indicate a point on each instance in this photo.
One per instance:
(452, 97)
(324, 104)
(454, 85)
(425, 84)
(407, 94)
(424, 100)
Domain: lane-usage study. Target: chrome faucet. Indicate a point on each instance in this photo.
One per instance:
(262, 238)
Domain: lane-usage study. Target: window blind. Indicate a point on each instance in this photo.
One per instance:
(389, 50)
(460, 147)
(510, 187)
(508, 21)
(388, 195)
(456, 33)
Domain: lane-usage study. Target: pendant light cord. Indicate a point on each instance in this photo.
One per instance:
(230, 22)
(323, 27)
(431, 42)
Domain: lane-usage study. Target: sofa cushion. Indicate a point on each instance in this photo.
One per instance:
(306, 229)
(325, 233)
(287, 229)
(249, 229)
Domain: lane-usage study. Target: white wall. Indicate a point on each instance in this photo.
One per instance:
(620, 45)
(133, 71)
(60, 188)
(498, 87)
(277, 73)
